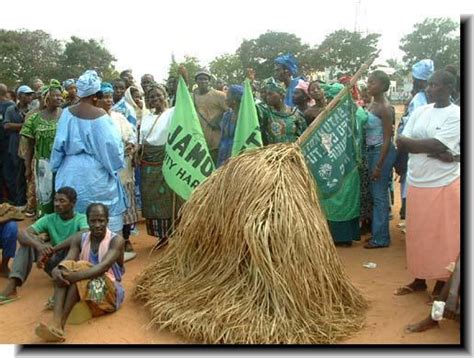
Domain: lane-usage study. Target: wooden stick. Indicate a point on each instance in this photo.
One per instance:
(173, 217)
(335, 100)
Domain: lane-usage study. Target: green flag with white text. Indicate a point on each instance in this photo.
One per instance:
(247, 131)
(187, 160)
(332, 153)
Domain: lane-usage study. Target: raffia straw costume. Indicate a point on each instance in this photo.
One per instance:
(252, 260)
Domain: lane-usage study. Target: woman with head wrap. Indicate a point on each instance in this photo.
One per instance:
(278, 122)
(134, 97)
(157, 197)
(71, 90)
(421, 71)
(39, 131)
(301, 97)
(88, 153)
(228, 123)
(381, 157)
(129, 139)
(121, 105)
(286, 68)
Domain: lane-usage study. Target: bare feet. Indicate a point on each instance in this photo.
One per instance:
(10, 288)
(421, 326)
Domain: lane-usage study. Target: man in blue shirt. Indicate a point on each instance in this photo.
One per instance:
(14, 165)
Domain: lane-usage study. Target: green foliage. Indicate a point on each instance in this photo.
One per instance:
(81, 55)
(191, 64)
(344, 52)
(435, 38)
(229, 68)
(259, 53)
(25, 55)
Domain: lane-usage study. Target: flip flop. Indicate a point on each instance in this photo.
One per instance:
(7, 299)
(406, 290)
(127, 256)
(49, 306)
(49, 334)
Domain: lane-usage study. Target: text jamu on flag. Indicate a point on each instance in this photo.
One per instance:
(187, 160)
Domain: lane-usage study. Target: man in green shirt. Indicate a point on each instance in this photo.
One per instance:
(59, 226)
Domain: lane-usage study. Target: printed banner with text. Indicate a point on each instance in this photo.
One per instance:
(331, 153)
(187, 160)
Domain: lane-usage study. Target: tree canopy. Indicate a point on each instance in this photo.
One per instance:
(25, 55)
(437, 39)
(344, 52)
(81, 55)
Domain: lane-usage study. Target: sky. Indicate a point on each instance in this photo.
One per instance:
(143, 35)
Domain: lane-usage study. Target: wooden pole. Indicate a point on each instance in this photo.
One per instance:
(336, 100)
(173, 217)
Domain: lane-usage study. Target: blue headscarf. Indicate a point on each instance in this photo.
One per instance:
(423, 70)
(236, 91)
(88, 84)
(68, 83)
(289, 62)
(106, 87)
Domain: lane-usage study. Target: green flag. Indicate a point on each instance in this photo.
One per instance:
(187, 160)
(332, 155)
(247, 132)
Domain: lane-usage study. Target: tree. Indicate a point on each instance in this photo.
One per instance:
(260, 53)
(25, 55)
(400, 70)
(344, 52)
(191, 64)
(229, 68)
(437, 39)
(81, 55)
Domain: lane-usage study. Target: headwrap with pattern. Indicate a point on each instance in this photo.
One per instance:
(289, 62)
(88, 84)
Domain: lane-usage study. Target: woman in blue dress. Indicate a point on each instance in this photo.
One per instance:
(88, 152)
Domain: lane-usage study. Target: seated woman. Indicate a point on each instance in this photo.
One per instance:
(91, 272)
(88, 153)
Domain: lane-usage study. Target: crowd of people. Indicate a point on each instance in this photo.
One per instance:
(84, 159)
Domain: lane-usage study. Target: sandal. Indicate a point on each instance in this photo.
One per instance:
(7, 299)
(371, 245)
(49, 334)
(406, 290)
(50, 304)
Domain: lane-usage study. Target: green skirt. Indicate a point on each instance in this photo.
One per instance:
(345, 231)
(157, 196)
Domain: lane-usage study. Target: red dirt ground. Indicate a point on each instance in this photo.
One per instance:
(386, 317)
(385, 320)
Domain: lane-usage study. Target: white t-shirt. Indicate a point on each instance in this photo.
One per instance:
(159, 134)
(442, 124)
